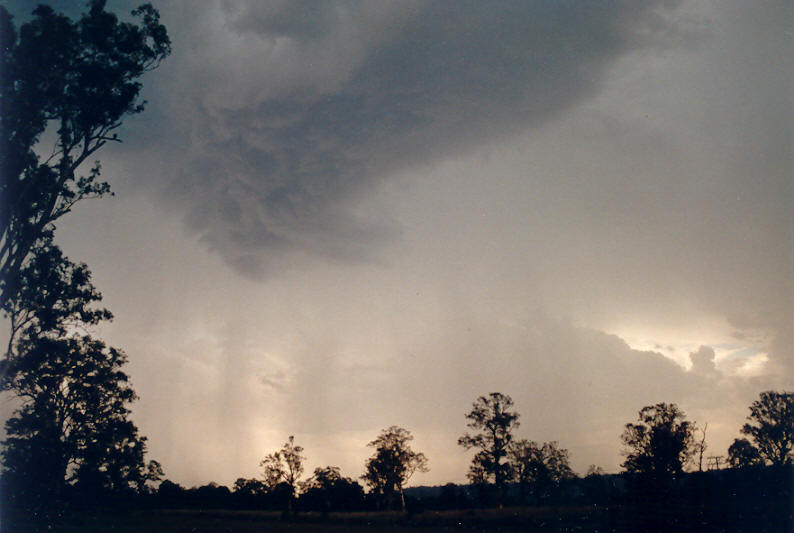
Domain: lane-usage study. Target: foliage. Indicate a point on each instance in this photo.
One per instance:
(77, 79)
(249, 487)
(742, 454)
(492, 418)
(284, 466)
(771, 426)
(54, 297)
(328, 489)
(538, 468)
(72, 426)
(661, 443)
(393, 464)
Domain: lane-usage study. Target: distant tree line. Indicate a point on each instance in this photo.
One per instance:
(660, 448)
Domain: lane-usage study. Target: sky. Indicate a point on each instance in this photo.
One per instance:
(336, 217)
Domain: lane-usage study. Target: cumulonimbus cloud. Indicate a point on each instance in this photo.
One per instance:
(326, 102)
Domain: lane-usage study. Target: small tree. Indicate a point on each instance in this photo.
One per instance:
(539, 469)
(660, 444)
(742, 454)
(284, 466)
(771, 426)
(393, 464)
(492, 418)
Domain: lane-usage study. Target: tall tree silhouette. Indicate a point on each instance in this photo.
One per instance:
(771, 426)
(284, 466)
(661, 443)
(393, 464)
(78, 79)
(492, 417)
(72, 426)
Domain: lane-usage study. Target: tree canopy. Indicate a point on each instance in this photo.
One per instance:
(78, 79)
(491, 416)
(771, 426)
(539, 468)
(284, 466)
(661, 443)
(73, 425)
(393, 464)
(742, 454)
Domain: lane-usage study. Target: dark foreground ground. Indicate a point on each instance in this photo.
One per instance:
(591, 519)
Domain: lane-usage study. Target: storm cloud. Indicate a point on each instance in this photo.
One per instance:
(296, 110)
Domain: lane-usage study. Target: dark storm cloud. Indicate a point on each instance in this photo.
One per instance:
(282, 152)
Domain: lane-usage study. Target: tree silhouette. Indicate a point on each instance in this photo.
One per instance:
(284, 466)
(78, 79)
(249, 487)
(742, 454)
(492, 418)
(771, 426)
(661, 443)
(72, 426)
(328, 489)
(538, 468)
(393, 464)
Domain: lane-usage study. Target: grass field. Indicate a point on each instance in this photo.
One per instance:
(508, 520)
(216, 521)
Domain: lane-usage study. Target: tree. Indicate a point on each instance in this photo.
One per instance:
(249, 493)
(284, 466)
(701, 446)
(492, 418)
(72, 426)
(538, 468)
(322, 484)
(328, 489)
(742, 454)
(393, 464)
(771, 426)
(78, 79)
(660, 444)
(249, 487)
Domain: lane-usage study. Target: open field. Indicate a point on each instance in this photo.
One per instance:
(508, 520)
